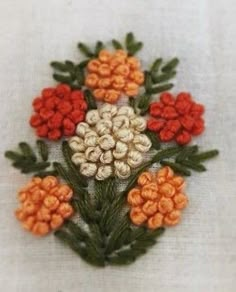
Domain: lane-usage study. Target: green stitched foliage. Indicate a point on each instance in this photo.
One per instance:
(111, 238)
(156, 81)
(90, 99)
(29, 161)
(69, 73)
(189, 158)
(132, 45)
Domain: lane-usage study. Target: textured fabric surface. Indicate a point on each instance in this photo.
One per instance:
(199, 254)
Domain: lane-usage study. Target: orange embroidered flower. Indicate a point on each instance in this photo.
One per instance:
(44, 205)
(158, 199)
(114, 74)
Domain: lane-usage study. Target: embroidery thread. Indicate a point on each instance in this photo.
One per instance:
(103, 201)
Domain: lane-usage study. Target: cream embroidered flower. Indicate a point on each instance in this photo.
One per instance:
(110, 142)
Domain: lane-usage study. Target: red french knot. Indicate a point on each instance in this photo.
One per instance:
(176, 119)
(58, 111)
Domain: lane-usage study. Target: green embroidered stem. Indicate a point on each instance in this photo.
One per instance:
(72, 170)
(110, 237)
(68, 178)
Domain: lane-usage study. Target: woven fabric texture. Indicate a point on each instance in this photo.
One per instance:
(199, 254)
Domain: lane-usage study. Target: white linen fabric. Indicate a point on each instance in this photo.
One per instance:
(199, 254)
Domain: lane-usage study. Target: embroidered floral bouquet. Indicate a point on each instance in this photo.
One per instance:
(103, 201)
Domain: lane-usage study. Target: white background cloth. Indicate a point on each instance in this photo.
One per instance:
(199, 254)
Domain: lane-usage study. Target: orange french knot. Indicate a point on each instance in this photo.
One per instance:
(158, 199)
(44, 205)
(114, 74)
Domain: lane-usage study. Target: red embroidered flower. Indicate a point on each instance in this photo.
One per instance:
(58, 111)
(176, 119)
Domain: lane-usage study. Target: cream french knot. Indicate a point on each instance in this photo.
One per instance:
(110, 142)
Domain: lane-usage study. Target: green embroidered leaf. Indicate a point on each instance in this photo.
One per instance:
(171, 65)
(27, 151)
(143, 103)
(62, 171)
(177, 167)
(160, 88)
(133, 49)
(98, 48)
(148, 81)
(90, 99)
(84, 49)
(186, 152)
(117, 231)
(63, 78)
(164, 77)
(78, 232)
(13, 155)
(165, 153)
(154, 139)
(82, 209)
(80, 76)
(155, 66)
(35, 167)
(204, 155)
(83, 64)
(121, 260)
(129, 40)
(132, 103)
(43, 174)
(120, 242)
(136, 247)
(131, 45)
(96, 234)
(26, 160)
(59, 66)
(113, 214)
(193, 165)
(42, 149)
(83, 251)
(117, 45)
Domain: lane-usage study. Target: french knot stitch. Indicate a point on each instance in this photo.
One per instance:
(110, 142)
